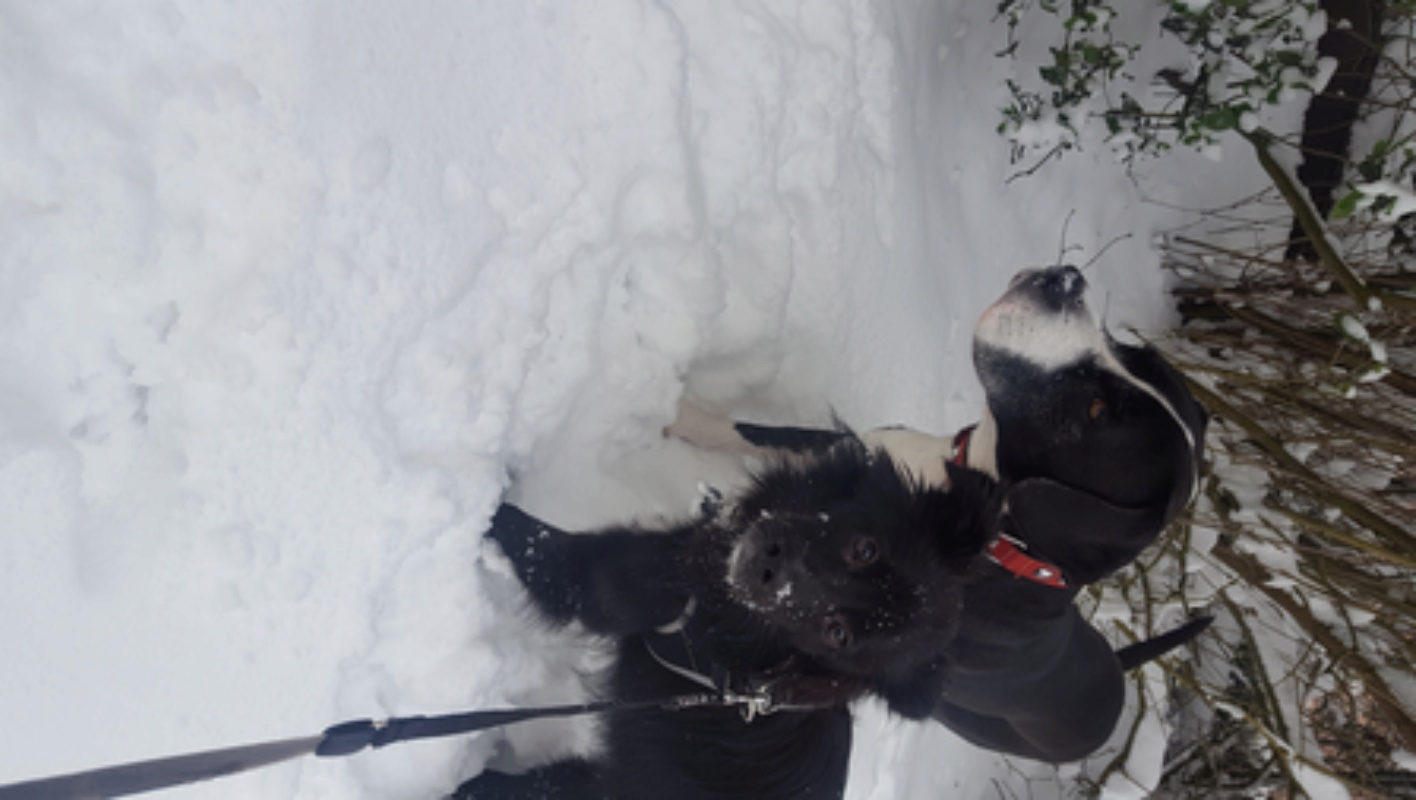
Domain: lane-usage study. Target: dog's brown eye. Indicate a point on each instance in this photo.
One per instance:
(1097, 409)
(863, 551)
(836, 633)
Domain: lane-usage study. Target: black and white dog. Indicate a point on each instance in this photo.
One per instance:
(1098, 446)
(826, 579)
(890, 563)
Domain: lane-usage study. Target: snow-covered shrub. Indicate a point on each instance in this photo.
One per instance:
(1243, 57)
(1303, 539)
(1304, 536)
(1238, 59)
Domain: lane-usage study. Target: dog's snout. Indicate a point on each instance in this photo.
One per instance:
(1055, 287)
(1063, 279)
(1069, 279)
(1023, 276)
(764, 568)
(769, 569)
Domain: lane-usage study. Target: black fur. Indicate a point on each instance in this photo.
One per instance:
(798, 440)
(825, 581)
(1097, 453)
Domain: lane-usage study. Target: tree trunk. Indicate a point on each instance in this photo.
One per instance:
(1327, 125)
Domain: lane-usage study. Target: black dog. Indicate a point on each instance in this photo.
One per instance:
(1098, 446)
(827, 579)
(1099, 441)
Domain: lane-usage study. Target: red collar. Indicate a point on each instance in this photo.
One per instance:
(1005, 551)
(961, 445)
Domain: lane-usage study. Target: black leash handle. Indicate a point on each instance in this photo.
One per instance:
(161, 773)
(339, 740)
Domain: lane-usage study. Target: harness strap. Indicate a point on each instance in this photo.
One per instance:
(1006, 551)
(758, 703)
(681, 671)
(678, 624)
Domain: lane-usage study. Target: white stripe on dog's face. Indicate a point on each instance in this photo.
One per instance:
(1049, 339)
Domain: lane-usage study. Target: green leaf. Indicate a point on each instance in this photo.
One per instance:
(1220, 119)
(1346, 207)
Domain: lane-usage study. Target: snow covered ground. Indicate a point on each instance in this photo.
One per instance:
(291, 294)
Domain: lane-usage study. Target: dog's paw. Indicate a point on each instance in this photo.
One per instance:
(517, 532)
(495, 786)
(538, 554)
(562, 780)
(526, 540)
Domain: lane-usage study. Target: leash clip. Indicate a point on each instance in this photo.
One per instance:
(752, 697)
(751, 706)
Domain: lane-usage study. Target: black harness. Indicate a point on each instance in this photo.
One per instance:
(674, 648)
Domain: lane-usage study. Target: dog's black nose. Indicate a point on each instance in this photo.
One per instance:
(1057, 286)
(1064, 279)
(765, 567)
(768, 565)
(1069, 279)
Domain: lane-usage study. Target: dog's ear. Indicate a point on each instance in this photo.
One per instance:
(966, 516)
(1149, 366)
(1086, 536)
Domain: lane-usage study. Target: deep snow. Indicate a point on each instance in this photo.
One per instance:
(292, 293)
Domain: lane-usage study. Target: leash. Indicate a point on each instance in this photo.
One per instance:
(336, 741)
